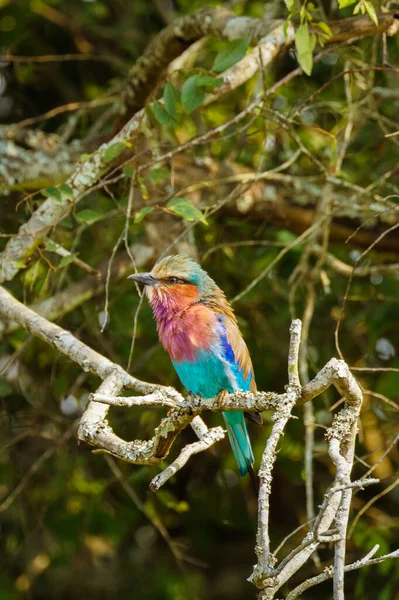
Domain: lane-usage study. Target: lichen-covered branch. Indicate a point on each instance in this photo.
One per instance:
(329, 571)
(52, 211)
(210, 437)
(280, 418)
(341, 439)
(330, 524)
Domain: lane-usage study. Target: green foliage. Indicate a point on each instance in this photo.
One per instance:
(139, 216)
(128, 171)
(193, 90)
(305, 43)
(192, 95)
(87, 216)
(159, 174)
(66, 190)
(162, 116)
(113, 151)
(171, 97)
(233, 52)
(290, 4)
(186, 209)
(53, 192)
(66, 260)
(362, 6)
(366, 6)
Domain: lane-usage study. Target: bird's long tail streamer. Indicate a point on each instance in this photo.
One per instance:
(239, 440)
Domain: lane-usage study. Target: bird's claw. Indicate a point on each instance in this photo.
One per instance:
(221, 399)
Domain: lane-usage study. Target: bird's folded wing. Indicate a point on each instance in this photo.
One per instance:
(237, 354)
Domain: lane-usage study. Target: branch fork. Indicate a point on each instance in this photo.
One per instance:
(330, 524)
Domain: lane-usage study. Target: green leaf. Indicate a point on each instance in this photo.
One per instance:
(290, 4)
(113, 151)
(34, 274)
(128, 171)
(53, 192)
(191, 96)
(83, 157)
(159, 174)
(345, 3)
(162, 116)
(186, 209)
(304, 45)
(66, 190)
(87, 216)
(231, 54)
(66, 223)
(170, 98)
(324, 27)
(371, 12)
(66, 260)
(51, 246)
(209, 81)
(139, 216)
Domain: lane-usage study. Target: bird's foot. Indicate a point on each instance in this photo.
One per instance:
(221, 400)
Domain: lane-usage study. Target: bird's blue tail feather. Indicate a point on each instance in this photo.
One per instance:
(239, 440)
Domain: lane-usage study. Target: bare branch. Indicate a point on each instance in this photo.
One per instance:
(329, 571)
(337, 373)
(282, 414)
(154, 399)
(208, 439)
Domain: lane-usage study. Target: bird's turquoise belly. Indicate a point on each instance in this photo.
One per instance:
(205, 377)
(209, 375)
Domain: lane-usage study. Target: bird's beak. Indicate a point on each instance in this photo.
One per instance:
(145, 278)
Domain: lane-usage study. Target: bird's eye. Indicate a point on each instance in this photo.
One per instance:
(175, 280)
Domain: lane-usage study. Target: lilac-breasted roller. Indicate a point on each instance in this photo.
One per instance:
(197, 327)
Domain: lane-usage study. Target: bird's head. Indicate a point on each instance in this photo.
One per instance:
(178, 281)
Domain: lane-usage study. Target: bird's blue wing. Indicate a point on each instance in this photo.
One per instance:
(235, 352)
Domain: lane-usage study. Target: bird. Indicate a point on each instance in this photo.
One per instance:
(198, 328)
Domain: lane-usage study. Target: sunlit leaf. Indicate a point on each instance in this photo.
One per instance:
(66, 190)
(162, 116)
(345, 3)
(53, 192)
(186, 209)
(325, 28)
(209, 81)
(83, 157)
(143, 212)
(371, 11)
(51, 246)
(231, 54)
(113, 151)
(290, 4)
(66, 260)
(305, 44)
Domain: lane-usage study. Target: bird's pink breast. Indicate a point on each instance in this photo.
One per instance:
(184, 326)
